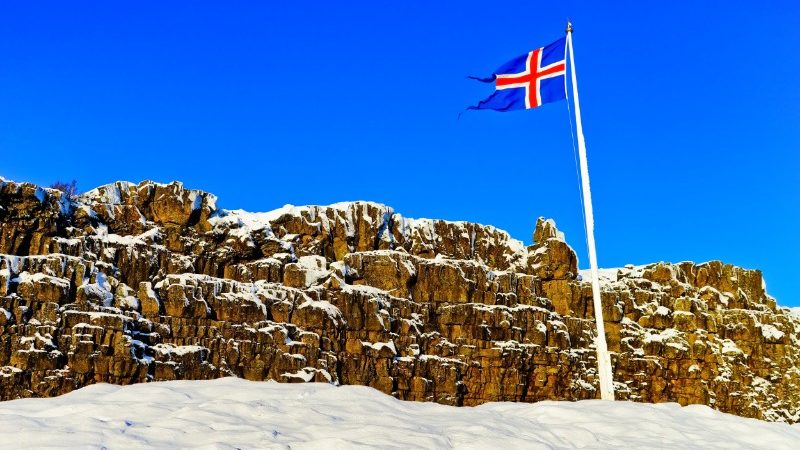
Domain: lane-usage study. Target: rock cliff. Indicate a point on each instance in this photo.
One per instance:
(131, 283)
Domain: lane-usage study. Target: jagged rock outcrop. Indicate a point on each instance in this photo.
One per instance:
(133, 283)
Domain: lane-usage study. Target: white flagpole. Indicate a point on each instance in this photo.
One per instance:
(603, 357)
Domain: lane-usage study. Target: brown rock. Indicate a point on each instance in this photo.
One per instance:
(159, 284)
(150, 304)
(44, 288)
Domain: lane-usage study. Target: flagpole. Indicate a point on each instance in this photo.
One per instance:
(603, 357)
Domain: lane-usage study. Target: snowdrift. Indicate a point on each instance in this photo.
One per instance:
(235, 413)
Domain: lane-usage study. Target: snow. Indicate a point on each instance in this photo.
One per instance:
(178, 350)
(129, 302)
(66, 204)
(110, 194)
(605, 275)
(730, 348)
(380, 345)
(307, 374)
(662, 311)
(441, 359)
(8, 371)
(241, 223)
(235, 413)
(669, 337)
(40, 194)
(67, 241)
(196, 199)
(315, 268)
(331, 311)
(128, 241)
(38, 277)
(771, 333)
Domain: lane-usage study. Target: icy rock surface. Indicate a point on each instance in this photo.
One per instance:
(131, 283)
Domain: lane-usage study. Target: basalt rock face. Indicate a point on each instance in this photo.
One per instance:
(134, 283)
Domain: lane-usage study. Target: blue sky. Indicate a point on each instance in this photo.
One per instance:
(691, 113)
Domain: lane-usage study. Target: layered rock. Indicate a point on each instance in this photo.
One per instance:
(134, 283)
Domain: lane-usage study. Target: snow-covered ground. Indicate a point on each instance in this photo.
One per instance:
(234, 413)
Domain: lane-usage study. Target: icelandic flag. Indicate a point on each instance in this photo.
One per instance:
(529, 80)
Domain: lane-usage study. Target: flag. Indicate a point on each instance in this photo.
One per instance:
(529, 80)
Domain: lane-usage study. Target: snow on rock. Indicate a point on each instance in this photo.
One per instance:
(26, 277)
(307, 375)
(241, 223)
(234, 413)
(362, 226)
(729, 348)
(771, 333)
(313, 268)
(109, 194)
(178, 350)
(665, 336)
(663, 311)
(605, 275)
(100, 291)
(145, 238)
(160, 203)
(329, 310)
(378, 346)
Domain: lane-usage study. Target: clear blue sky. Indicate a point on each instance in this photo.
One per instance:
(691, 111)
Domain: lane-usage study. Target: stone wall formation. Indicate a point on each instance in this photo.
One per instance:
(131, 283)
